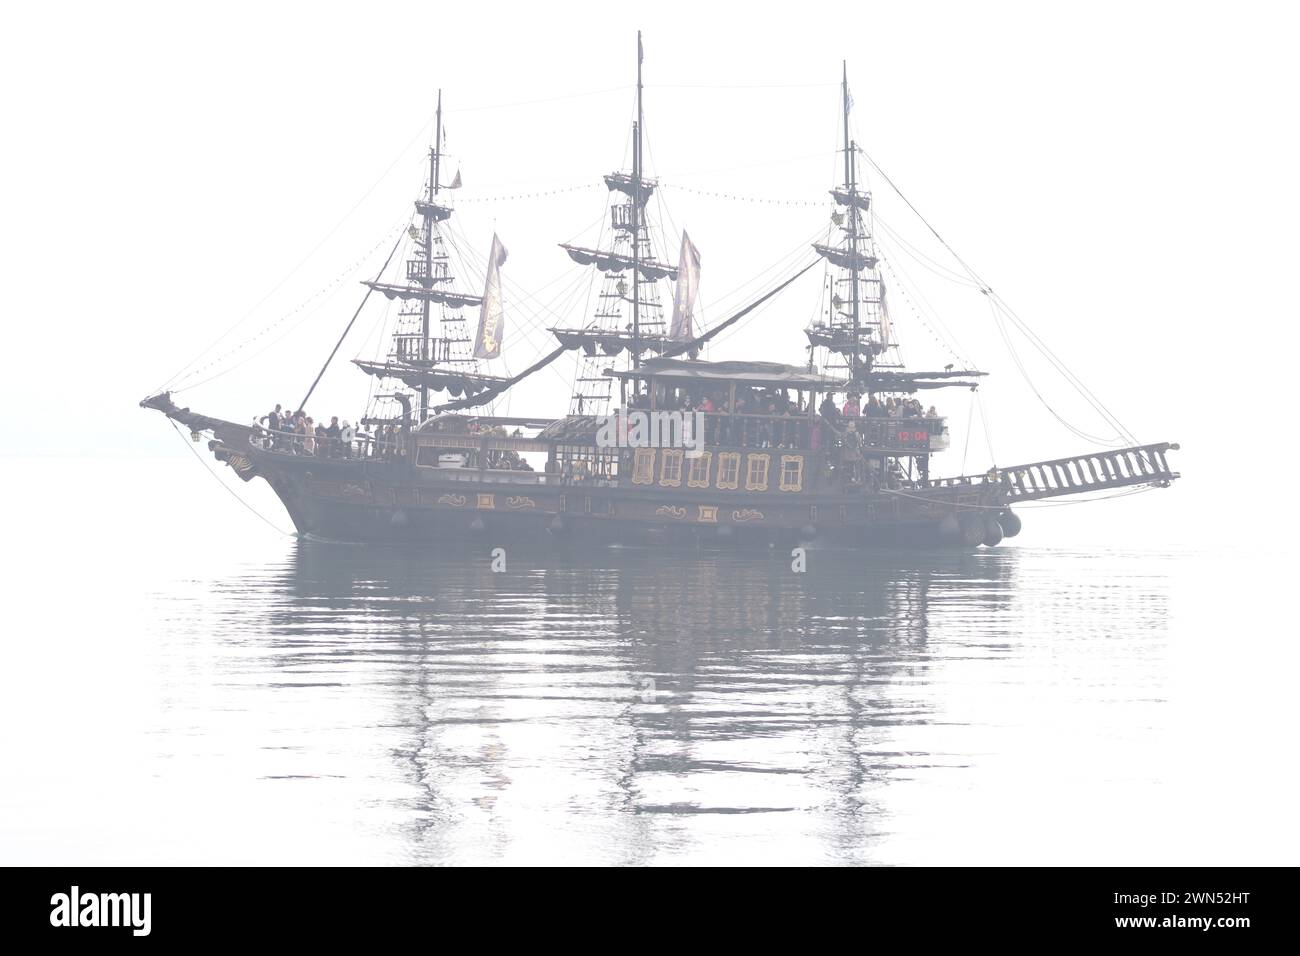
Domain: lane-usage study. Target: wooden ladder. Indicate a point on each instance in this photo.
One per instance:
(1139, 465)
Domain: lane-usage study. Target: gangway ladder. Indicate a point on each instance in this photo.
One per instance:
(1139, 465)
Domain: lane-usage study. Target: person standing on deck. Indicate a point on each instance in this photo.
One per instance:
(851, 455)
(333, 434)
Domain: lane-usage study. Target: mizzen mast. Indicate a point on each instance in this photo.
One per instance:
(434, 155)
(850, 178)
(855, 327)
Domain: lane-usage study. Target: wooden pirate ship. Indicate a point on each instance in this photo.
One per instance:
(837, 449)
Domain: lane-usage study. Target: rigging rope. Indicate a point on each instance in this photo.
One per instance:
(1122, 493)
(364, 299)
(1072, 379)
(316, 248)
(217, 478)
(186, 383)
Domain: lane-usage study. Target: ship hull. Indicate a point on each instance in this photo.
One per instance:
(391, 502)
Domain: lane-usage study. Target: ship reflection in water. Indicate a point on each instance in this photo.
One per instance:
(634, 707)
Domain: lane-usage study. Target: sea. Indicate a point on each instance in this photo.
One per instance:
(184, 683)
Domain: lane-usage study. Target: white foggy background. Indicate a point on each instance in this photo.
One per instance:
(1124, 176)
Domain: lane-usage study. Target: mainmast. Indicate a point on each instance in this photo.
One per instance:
(611, 331)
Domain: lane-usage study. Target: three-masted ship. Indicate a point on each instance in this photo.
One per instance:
(657, 446)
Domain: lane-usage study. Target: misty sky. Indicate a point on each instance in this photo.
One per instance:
(1123, 175)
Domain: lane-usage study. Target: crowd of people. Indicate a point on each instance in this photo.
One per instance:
(770, 418)
(758, 418)
(837, 434)
(298, 433)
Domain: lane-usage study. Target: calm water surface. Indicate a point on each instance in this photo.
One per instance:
(185, 686)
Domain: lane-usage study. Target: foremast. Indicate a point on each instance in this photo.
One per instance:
(431, 348)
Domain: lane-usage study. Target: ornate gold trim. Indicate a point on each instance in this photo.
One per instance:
(725, 459)
(747, 514)
(797, 483)
(670, 511)
(456, 501)
(750, 462)
(707, 458)
(643, 475)
(486, 502)
(520, 501)
(708, 513)
(670, 455)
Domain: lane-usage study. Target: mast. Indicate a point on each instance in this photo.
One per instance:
(852, 320)
(612, 331)
(423, 358)
(636, 214)
(850, 180)
(434, 155)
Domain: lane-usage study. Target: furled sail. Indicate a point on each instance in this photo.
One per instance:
(886, 324)
(433, 211)
(453, 381)
(453, 299)
(597, 341)
(846, 259)
(617, 262)
(846, 198)
(491, 319)
(688, 283)
(626, 184)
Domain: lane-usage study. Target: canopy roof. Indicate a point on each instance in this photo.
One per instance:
(772, 374)
(776, 375)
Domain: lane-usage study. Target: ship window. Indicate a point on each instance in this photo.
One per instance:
(792, 472)
(670, 472)
(756, 478)
(728, 469)
(643, 467)
(697, 476)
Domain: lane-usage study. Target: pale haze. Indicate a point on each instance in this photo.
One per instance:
(1123, 175)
